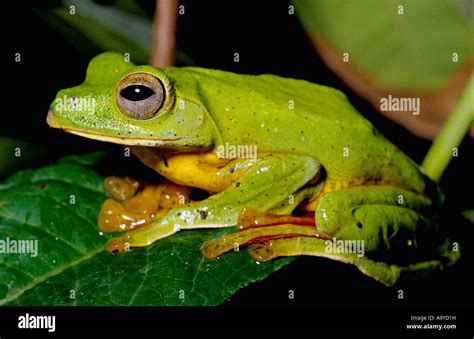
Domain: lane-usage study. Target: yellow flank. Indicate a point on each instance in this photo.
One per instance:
(201, 170)
(333, 185)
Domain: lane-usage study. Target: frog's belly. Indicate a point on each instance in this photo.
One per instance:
(202, 170)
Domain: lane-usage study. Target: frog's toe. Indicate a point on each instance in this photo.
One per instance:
(262, 251)
(117, 245)
(121, 188)
(211, 249)
(108, 216)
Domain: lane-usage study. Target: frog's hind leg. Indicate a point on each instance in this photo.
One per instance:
(382, 230)
(312, 246)
(386, 273)
(393, 222)
(269, 242)
(383, 241)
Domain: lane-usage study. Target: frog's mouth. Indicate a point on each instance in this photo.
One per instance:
(128, 141)
(163, 142)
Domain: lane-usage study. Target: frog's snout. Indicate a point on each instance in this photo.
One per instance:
(50, 118)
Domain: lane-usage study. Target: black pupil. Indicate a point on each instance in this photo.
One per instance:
(136, 92)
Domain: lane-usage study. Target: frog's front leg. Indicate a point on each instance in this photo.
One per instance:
(265, 186)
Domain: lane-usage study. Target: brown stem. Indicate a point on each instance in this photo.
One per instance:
(164, 33)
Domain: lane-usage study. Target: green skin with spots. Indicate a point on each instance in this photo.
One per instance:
(368, 189)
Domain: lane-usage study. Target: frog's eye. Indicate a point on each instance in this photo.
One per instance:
(140, 95)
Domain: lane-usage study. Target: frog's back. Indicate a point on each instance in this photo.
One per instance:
(296, 116)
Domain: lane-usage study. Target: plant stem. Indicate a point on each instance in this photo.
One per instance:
(451, 135)
(164, 33)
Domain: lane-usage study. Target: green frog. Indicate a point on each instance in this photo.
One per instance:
(289, 164)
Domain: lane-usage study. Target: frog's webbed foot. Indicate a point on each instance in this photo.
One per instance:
(134, 205)
(386, 273)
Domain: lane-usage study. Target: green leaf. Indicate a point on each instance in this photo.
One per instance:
(408, 48)
(57, 205)
(110, 28)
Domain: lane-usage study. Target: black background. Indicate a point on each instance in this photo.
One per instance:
(268, 41)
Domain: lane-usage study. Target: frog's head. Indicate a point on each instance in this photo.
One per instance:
(134, 105)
